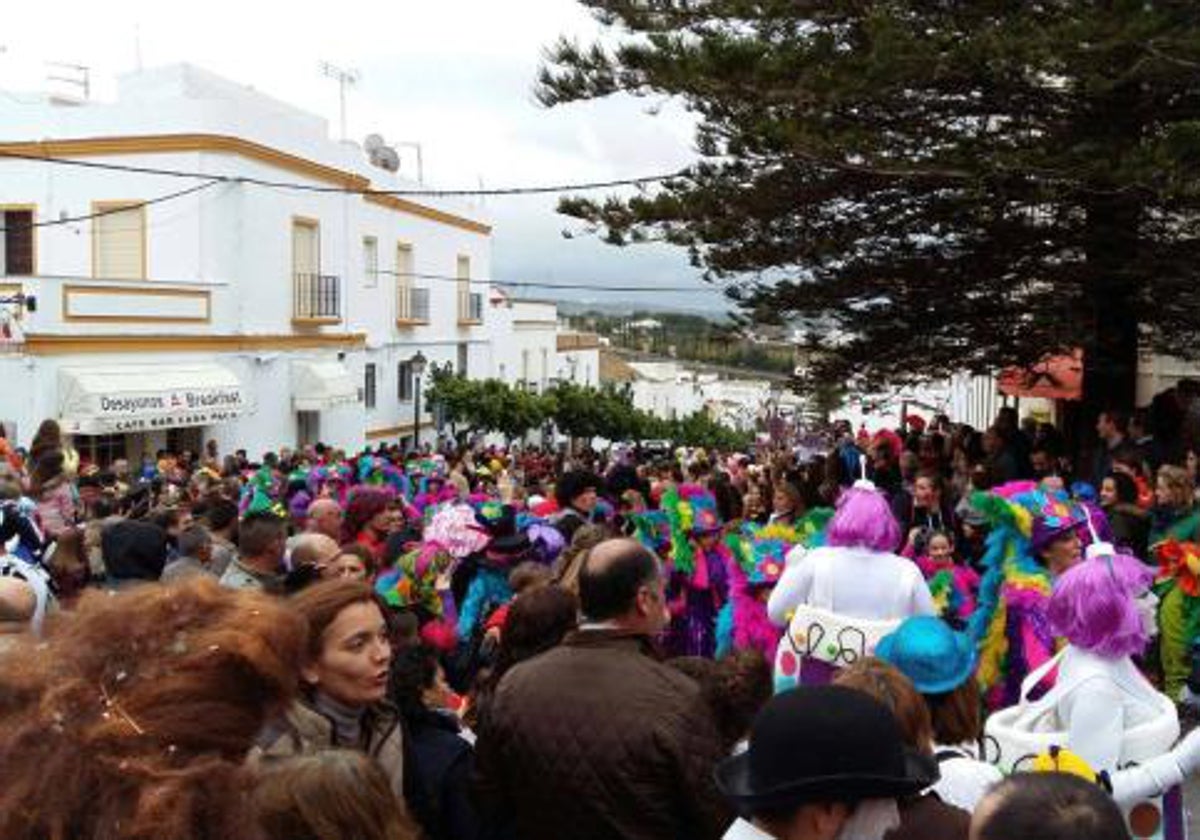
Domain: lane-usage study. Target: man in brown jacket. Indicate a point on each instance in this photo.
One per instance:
(596, 739)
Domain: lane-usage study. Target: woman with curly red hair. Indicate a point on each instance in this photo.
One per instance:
(371, 516)
(134, 719)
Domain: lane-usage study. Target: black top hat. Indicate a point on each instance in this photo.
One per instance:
(507, 541)
(823, 744)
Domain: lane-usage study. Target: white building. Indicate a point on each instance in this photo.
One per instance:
(257, 316)
(666, 389)
(522, 335)
(577, 358)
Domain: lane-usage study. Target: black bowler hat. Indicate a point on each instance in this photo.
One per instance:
(823, 744)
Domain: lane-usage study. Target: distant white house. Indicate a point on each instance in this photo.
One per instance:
(250, 315)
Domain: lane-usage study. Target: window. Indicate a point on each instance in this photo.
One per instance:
(119, 241)
(369, 386)
(462, 359)
(100, 450)
(404, 383)
(404, 283)
(16, 246)
(370, 262)
(306, 247)
(308, 427)
(524, 369)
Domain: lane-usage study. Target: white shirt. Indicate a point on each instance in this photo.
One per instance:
(865, 584)
(743, 830)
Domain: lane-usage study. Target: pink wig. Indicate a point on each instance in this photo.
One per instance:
(1093, 605)
(863, 520)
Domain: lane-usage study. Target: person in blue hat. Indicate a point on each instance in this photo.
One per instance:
(941, 664)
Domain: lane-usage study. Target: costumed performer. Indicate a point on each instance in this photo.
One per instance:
(758, 558)
(841, 598)
(1101, 708)
(1033, 539)
(698, 584)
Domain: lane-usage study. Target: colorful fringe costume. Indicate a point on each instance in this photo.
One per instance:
(1009, 624)
(953, 587)
(698, 583)
(759, 555)
(1178, 588)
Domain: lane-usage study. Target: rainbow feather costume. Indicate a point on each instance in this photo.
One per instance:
(758, 555)
(1009, 623)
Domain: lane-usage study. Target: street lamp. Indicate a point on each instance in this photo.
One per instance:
(417, 365)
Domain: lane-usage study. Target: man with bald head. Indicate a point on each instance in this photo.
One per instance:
(596, 738)
(325, 517)
(314, 550)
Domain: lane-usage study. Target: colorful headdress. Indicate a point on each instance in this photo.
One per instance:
(456, 530)
(761, 550)
(259, 495)
(412, 581)
(653, 530)
(692, 511)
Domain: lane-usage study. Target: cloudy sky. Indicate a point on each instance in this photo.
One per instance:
(455, 76)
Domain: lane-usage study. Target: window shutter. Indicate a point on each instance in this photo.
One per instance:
(120, 243)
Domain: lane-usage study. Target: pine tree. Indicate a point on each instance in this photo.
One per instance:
(930, 186)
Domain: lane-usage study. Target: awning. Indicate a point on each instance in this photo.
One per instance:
(136, 398)
(1053, 378)
(317, 386)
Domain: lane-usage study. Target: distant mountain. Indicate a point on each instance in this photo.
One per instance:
(579, 307)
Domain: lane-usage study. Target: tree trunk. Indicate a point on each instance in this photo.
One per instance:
(1111, 354)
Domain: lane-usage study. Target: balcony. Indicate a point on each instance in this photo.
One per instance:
(317, 299)
(470, 308)
(412, 306)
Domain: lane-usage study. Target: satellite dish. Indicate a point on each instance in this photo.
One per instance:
(373, 143)
(388, 159)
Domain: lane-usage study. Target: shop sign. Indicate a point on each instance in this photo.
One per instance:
(171, 403)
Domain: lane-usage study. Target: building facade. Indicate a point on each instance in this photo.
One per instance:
(283, 300)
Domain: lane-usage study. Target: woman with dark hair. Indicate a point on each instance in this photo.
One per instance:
(1130, 523)
(332, 795)
(576, 492)
(344, 681)
(134, 717)
(440, 760)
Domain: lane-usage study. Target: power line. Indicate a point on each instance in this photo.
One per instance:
(133, 205)
(590, 287)
(585, 186)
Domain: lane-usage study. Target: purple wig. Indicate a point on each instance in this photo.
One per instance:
(1093, 605)
(863, 520)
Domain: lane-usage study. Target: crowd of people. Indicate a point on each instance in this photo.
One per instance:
(932, 632)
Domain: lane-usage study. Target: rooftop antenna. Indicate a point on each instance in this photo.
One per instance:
(345, 77)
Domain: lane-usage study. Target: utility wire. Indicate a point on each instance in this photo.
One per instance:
(591, 287)
(292, 185)
(108, 211)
